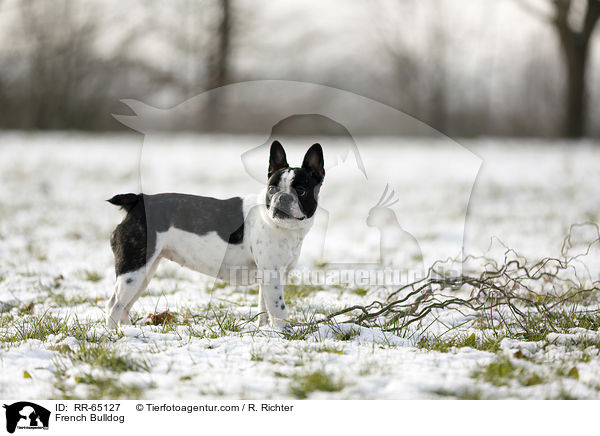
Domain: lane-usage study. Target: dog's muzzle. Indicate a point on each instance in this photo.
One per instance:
(286, 206)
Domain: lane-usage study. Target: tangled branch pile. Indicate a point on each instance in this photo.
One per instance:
(519, 297)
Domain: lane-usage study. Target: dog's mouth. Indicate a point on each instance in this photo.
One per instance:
(278, 213)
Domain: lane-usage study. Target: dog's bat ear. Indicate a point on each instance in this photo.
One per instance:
(277, 159)
(314, 163)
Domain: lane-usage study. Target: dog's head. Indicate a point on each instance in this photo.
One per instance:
(292, 193)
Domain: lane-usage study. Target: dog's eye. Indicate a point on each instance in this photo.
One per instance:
(301, 191)
(272, 189)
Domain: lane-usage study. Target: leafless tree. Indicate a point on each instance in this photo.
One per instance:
(220, 46)
(218, 62)
(58, 77)
(200, 34)
(438, 110)
(574, 27)
(421, 82)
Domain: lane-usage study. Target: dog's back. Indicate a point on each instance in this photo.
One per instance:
(134, 241)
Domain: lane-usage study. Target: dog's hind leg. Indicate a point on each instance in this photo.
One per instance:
(128, 288)
(137, 251)
(149, 275)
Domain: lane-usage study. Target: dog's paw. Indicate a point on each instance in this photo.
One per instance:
(263, 319)
(111, 324)
(285, 329)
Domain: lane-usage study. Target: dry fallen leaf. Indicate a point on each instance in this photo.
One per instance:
(165, 317)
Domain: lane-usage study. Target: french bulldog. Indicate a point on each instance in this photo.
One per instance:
(260, 235)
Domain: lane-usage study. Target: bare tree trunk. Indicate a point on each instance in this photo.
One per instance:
(224, 32)
(438, 111)
(218, 65)
(575, 50)
(220, 46)
(575, 96)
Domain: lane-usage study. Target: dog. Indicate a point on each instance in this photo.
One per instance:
(221, 238)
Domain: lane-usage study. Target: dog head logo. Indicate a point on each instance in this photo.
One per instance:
(26, 415)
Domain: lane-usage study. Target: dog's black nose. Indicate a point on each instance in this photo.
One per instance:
(285, 200)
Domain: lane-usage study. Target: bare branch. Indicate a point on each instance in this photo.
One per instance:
(534, 11)
(523, 294)
(591, 18)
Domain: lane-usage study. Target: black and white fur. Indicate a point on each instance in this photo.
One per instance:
(220, 238)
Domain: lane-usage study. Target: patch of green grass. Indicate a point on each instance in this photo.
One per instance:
(92, 276)
(344, 334)
(569, 372)
(360, 291)
(106, 385)
(585, 357)
(325, 348)
(34, 327)
(215, 320)
(228, 322)
(98, 388)
(536, 326)
(304, 384)
(445, 345)
(6, 319)
(501, 371)
(300, 333)
(497, 372)
(571, 319)
(195, 331)
(295, 292)
(41, 326)
(217, 285)
(256, 356)
(61, 300)
(61, 348)
(105, 356)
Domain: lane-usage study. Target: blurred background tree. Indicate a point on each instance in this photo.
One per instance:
(487, 68)
(574, 23)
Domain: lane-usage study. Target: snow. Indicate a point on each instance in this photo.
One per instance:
(54, 251)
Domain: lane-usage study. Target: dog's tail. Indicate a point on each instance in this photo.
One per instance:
(126, 201)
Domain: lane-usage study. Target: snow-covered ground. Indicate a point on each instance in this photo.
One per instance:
(56, 270)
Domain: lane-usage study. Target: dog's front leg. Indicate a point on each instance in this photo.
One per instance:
(273, 299)
(271, 293)
(263, 317)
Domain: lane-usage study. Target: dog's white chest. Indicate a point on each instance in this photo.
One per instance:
(271, 247)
